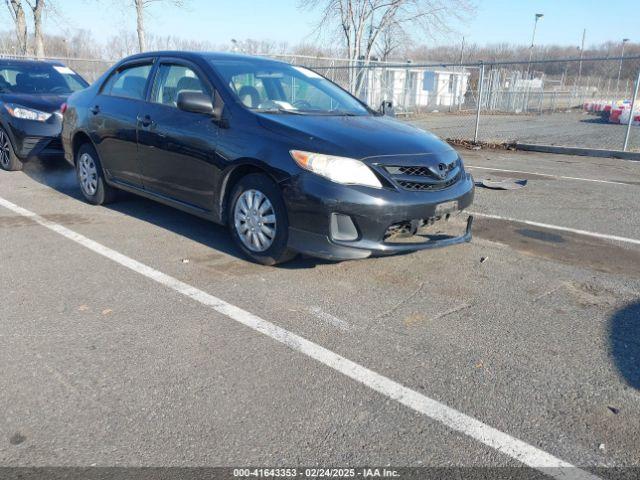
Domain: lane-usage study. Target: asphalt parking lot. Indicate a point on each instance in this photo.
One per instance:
(532, 329)
(566, 129)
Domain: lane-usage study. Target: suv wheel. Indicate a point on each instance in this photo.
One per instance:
(258, 220)
(91, 178)
(8, 159)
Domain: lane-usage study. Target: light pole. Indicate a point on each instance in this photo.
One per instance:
(624, 41)
(533, 39)
(576, 81)
(581, 48)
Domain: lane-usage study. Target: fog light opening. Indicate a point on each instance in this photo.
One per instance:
(343, 228)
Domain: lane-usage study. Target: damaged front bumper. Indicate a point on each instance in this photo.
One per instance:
(368, 218)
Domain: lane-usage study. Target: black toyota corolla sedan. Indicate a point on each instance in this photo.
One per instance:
(289, 160)
(31, 94)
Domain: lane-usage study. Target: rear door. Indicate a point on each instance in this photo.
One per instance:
(177, 148)
(114, 118)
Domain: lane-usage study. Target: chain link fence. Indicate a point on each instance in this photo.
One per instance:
(583, 103)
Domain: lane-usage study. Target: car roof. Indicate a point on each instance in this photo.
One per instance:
(26, 63)
(210, 56)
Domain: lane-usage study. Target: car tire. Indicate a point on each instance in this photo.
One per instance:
(8, 159)
(258, 220)
(90, 177)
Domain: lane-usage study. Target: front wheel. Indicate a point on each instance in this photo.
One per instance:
(258, 220)
(8, 159)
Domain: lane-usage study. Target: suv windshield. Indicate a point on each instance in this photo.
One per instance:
(39, 79)
(281, 88)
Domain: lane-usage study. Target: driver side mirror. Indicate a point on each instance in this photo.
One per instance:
(195, 102)
(386, 108)
(198, 102)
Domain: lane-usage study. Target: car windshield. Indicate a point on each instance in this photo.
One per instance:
(39, 79)
(272, 87)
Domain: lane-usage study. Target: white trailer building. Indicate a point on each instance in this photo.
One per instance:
(415, 88)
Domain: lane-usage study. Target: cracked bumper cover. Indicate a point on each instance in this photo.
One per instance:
(311, 201)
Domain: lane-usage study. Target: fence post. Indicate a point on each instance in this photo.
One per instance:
(480, 91)
(633, 104)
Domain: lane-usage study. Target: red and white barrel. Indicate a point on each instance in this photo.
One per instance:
(616, 112)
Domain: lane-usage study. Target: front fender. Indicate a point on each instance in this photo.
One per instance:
(235, 171)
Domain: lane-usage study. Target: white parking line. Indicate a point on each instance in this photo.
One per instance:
(452, 418)
(612, 182)
(329, 319)
(586, 233)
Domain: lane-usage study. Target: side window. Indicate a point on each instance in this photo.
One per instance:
(250, 90)
(128, 82)
(173, 79)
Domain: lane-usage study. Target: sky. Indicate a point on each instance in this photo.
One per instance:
(218, 21)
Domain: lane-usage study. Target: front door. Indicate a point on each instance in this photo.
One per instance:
(177, 148)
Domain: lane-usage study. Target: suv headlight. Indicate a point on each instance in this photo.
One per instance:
(25, 113)
(337, 169)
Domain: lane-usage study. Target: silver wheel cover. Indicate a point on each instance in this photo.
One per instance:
(88, 174)
(254, 220)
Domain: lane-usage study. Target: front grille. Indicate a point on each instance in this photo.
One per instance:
(418, 171)
(31, 145)
(420, 178)
(427, 187)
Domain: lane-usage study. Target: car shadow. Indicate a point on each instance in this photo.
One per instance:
(60, 176)
(624, 340)
(54, 173)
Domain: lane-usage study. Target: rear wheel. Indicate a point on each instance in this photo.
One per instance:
(8, 159)
(91, 177)
(258, 220)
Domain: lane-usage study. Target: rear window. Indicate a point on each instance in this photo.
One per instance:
(39, 79)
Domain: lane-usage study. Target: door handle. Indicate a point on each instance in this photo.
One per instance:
(145, 121)
(95, 109)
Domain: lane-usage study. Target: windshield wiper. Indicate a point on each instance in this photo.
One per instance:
(343, 113)
(326, 113)
(282, 110)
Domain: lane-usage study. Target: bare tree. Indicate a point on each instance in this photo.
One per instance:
(123, 44)
(37, 7)
(362, 23)
(259, 47)
(20, 23)
(141, 6)
(367, 25)
(390, 40)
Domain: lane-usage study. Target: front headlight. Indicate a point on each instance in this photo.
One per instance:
(26, 113)
(337, 169)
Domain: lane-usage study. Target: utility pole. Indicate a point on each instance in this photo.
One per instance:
(624, 41)
(584, 34)
(462, 51)
(538, 16)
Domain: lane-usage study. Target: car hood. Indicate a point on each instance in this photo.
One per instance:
(356, 137)
(45, 103)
